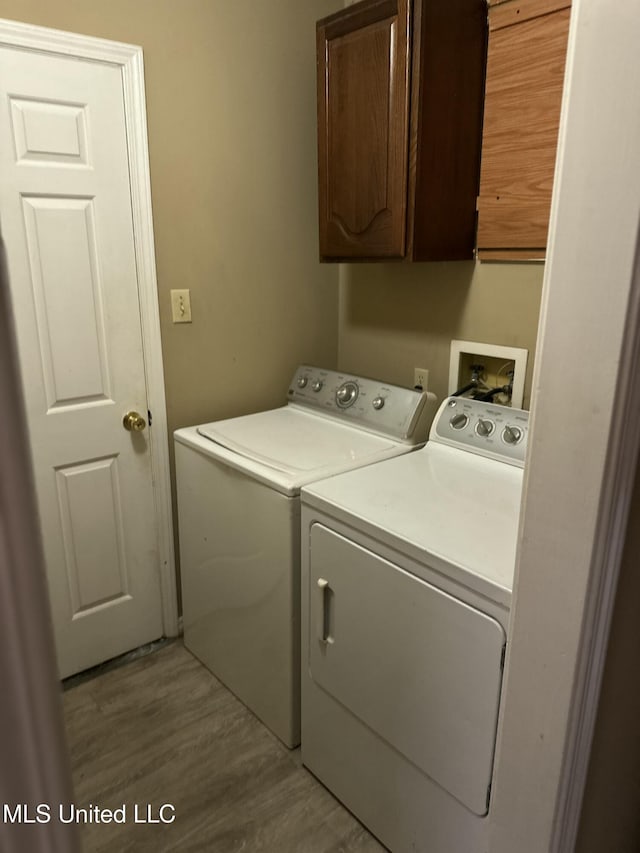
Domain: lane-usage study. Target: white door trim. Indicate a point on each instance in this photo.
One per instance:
(129, 59)
(583, 443)
(609, 540)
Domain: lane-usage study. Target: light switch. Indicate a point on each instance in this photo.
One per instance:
(181, 306)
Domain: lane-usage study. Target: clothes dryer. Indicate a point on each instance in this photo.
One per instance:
(407, 572)
(238, 484)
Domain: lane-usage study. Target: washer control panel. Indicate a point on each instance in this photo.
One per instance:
(402, 413)
(484, 428)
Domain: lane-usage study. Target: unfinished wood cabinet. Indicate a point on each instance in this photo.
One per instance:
(400, 89)
(525, 75)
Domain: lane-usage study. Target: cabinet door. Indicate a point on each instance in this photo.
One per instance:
(525, 75)
(363, 86)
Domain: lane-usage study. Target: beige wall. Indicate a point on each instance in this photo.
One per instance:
(232, 139)
(394, 317)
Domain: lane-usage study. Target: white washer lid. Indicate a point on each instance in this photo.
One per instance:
(289, 447)
(455, 508)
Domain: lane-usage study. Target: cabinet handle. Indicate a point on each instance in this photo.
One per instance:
(323, 615)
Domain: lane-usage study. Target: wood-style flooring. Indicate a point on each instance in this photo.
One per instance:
(162, 729)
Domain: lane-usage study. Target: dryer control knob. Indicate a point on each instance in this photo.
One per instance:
(511, 434)
(485, 427)
(302, 382)
(378, 403)
(317, 385)
(459, 421)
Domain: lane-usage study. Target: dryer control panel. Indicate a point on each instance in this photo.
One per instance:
(487, 429)
(402, 413)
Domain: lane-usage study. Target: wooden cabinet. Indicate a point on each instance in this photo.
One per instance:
(525, 75)
(400, 90)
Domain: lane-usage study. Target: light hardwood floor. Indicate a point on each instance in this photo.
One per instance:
(162, 729)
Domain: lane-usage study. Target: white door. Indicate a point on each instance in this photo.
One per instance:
(66, 219)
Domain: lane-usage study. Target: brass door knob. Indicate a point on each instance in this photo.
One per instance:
(133, 422)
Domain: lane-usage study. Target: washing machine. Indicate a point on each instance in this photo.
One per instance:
(407, 572)
(238, 485)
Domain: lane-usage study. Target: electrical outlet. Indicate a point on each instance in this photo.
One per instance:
(181, 306)
(421, 378)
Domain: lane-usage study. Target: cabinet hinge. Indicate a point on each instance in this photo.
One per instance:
(503, 656)
(149, 417)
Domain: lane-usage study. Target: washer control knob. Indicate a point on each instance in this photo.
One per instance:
(459, 421)
(317, 385)
(378, 403)
(485, 427)
(511, 434)
(346, 394)
(302, 381)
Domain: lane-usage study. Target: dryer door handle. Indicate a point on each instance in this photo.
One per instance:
(323, 611)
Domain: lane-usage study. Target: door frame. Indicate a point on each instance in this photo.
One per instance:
(128, 58)
(583, 443)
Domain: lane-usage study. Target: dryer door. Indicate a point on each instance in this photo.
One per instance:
(419, 667)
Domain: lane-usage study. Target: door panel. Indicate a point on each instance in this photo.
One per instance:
(49, 131)
(419, 667)
(60, 237)
(363, 76)
(65, 208)
(85, 490)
